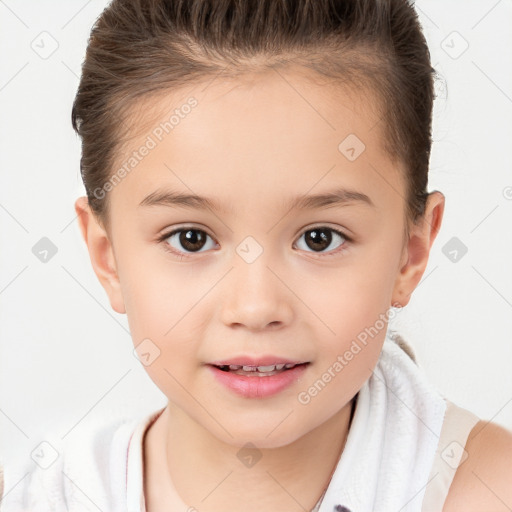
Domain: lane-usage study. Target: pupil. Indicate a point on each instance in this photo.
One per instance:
(192, 239)
(318, 239)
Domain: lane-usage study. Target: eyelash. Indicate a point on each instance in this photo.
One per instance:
(184, 255)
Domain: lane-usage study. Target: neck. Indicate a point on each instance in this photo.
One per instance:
(200, 471)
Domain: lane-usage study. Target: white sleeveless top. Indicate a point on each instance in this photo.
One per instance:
(449, 454)
(404, 445)
(457, 426)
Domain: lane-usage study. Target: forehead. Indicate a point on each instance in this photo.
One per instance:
(270, 132)
(295, 99)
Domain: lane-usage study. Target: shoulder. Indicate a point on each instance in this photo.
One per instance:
(484, 480)
(81, 468)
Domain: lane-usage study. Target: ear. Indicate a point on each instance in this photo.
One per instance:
(101, 253)
(417, 249)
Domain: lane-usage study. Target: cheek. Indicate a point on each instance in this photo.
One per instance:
(159, 296)
(352, 307)
(163, 321)
(350, 298)
(166, 315)
(346, 359)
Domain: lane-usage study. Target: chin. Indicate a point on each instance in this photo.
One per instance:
(259, 436)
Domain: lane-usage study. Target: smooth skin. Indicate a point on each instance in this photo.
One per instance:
(252, 145)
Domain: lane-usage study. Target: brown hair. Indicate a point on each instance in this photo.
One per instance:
(139, 48)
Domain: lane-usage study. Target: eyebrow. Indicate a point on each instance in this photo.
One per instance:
(337, 197)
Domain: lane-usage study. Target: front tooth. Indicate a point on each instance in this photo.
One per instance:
(249, 368)
(266, 368)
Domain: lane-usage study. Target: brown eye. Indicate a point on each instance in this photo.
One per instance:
(322, 238)
(188, 240)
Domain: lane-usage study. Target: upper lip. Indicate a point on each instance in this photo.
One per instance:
(256, 361)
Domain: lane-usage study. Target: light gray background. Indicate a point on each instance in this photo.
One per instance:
(67, 358)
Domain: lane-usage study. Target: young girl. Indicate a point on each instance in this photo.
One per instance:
(256, 177)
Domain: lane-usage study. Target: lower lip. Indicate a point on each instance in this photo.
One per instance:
(258, 387)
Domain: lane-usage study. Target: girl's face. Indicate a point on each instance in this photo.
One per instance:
(258, 270)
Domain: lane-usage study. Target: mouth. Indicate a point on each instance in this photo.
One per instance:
(258, 371)
(258, 377)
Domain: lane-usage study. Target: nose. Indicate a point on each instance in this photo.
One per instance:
(255, 297)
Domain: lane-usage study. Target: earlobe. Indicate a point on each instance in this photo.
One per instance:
(100, 252)
(417, 250)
